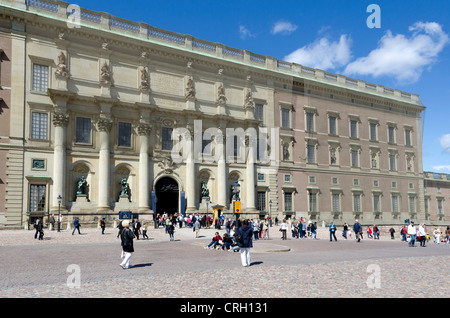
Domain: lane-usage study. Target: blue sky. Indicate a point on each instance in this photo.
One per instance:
(410, 51)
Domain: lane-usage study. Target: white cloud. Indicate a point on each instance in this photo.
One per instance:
(245, 33)
(283, 27)
(404, 58)
(323, 54)
(445, 143)
(443, 167)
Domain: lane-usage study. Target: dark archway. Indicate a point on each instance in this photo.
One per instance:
(167, 194)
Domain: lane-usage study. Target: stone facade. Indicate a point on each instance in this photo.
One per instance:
(99, 100)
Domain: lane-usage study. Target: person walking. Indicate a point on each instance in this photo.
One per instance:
(447, 235)
(404, 232)
(437, 235)
(344, 232)
(136, 228)
(196, 228)
(170, 230)
(422, 235)
(283, 229)
(412, 233)
(392, 231)
(246, 243)
(76, 226)
(40, 229)
(314, 230)
(266, 229)
(357, 228)
(52, 221)
(144, 230)
(376, 232)
(103, 225)
(36, 224)
(332, 229)
(126, 237)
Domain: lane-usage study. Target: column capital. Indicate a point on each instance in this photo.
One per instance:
(104, 124)
(144, 129)
(60, 119)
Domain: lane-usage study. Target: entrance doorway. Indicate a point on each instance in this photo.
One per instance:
(167, 195)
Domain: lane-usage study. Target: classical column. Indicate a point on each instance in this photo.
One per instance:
(222, 171)
(250, 173)
(104, 127)
(190, 173)
(144, 194)
(60, 121)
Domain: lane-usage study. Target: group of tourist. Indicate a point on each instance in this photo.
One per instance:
(411, 234)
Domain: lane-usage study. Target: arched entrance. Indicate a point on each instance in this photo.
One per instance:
(167, 194)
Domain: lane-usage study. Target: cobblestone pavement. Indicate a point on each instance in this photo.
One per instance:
(290, 268)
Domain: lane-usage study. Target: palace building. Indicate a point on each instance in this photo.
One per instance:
(96, 111)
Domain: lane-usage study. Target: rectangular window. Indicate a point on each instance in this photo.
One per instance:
(426, 205)
(259, 112)
(332, 122)
(83, 130)
(310, 122)
(392, 162)
(285, 118)
(261, 201)
(311, 153)
(439, 206)
(391, 135)
(408, 137)
(37, 198)
(395, 203)
(40, 78)
(124, 138)
(412, 205)
(373, 132)
(288, 201)
(376, 203)
(353, 129)
(354, 154)
(39, 122)
(167, 143)
(357, 202)
(335, 203)
(313, 202)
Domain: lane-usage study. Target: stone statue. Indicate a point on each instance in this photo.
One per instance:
(82, 186)
(105, 74)
(61, 68)
(190, 89)
(205, 191)
(145, 81)
(221, 99)
(286, 151)
(248, 103)
(125, 188)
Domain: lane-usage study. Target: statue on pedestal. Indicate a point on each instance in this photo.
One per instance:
(82, 186)
(205, 191)
(125, 188)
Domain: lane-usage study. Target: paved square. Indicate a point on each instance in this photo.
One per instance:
(66, 265)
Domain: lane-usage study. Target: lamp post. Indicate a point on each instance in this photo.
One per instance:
(236, 187)
(59, 212)
(270, 213)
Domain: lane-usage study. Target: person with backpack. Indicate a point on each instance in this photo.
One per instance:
(357, 228)
(245, 237)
